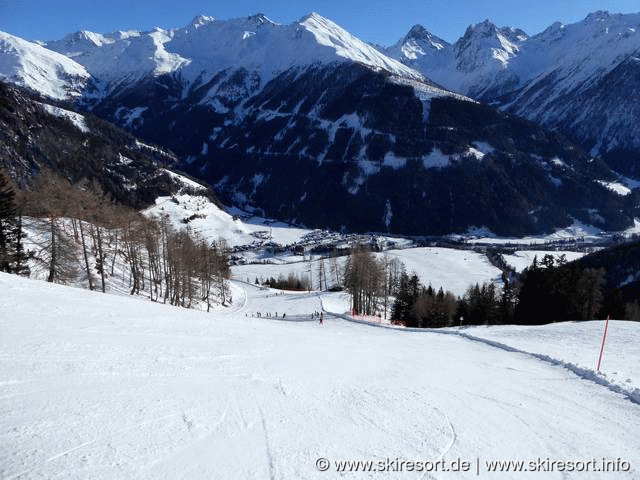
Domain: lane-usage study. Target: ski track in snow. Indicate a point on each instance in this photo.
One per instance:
(633, 395)
(453, 436)
(586, 374)
(134, 389)
(267, 448)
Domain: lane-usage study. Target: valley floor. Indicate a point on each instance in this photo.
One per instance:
(102, 387)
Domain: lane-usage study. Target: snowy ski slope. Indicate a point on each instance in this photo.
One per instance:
(102, 387)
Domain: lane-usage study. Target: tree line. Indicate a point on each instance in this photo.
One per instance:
(292, 281)
(550, 290)
(371, 282)
(81, 236)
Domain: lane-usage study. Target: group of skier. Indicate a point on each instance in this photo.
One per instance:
(317, 315)
(268, 315)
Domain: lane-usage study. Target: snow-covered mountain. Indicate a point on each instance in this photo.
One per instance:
(314, 126)
(32, 66)
(471, 63)
(580, 78)
(206, 47)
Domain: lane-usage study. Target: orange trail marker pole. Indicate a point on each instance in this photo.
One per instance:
(604, 337)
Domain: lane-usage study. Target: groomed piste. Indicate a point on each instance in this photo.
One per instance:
(102, 386)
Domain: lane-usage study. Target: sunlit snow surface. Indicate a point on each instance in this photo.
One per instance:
(616, 187)
(208, 46)
(75, 118)
(449, 269)
(33, 66)
(102, 387)
(522, 259)
(215, 223)
(578, 344)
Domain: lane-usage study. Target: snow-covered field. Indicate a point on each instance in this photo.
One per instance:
(522, 259)
(100, 386)
(451, 269)
(214, 223)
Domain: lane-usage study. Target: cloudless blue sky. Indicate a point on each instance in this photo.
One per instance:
(379, 21)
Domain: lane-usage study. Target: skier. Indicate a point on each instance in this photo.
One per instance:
(321, 319)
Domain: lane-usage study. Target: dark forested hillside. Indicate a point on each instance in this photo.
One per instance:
(604, 283)
(370, 155)
(621, 265)
(34, 135)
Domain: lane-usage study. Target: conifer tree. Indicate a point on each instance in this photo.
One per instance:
(12, 255)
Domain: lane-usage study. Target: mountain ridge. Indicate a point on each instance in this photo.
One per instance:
(33, 66)
(238, 43)
(333, 133)
(560, 77)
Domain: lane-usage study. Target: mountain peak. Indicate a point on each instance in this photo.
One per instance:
(259, 19)
(342, 44)
(553, 30)
(598, 16)
(485, 28)
(420, 34)
(84, 37)
(34, 66)
(201, 20)
(313, 16)
(417, 43)
(418, 31)
(486, 47)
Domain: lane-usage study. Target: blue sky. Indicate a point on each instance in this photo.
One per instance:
(378, 21)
